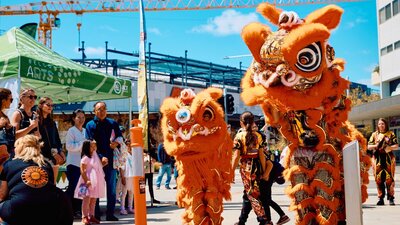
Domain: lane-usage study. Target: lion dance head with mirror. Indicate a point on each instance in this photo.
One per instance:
(295, 78)
(196, 134)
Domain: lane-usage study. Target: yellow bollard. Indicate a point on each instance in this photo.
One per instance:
(139, 187)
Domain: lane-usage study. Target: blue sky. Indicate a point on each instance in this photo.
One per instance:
(208, 35)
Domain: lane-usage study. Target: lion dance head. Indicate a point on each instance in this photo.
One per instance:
(295, 78)
(195, 133)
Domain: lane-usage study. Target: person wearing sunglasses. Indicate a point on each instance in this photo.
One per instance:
(24, 119)
(52, 147)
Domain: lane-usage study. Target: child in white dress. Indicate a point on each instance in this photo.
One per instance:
(127, 182)
(91, 184)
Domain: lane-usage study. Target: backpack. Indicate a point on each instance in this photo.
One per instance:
(7, 137)
(276, 173)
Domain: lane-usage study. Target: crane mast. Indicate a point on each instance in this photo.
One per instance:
(49, 10)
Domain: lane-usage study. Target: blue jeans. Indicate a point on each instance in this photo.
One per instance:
(176, 173)
(73, 174)
(165, 168)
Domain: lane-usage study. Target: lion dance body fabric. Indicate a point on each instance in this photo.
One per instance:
(295, 78)
(195, 133)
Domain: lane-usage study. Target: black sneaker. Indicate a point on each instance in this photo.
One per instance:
(155, 201)
(284, 219)
(240, 223)
(167, 187)
(111, 218)
(391, 202)
(380, 202)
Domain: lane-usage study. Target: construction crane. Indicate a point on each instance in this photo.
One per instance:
(50, 10)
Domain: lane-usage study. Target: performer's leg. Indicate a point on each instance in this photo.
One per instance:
(246, 208)
(380, 185)
(265, 196)
(391, 183)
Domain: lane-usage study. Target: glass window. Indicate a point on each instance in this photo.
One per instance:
(389, 48)
(388, 11)
(397, 45)
(396, 7)
(382, 15)
(383, 51)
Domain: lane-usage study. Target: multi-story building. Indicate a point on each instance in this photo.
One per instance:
(387, 75)
(389, 47)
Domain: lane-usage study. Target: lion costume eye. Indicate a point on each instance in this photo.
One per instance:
(183, 115)
(208, 114)
(309, 58)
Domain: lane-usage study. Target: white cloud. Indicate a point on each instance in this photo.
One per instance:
(229, 22)
(154, 30)
(108, 28)
(92, 51)
(96, 51)
(355, 22)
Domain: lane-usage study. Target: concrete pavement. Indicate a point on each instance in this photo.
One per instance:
(169, 214)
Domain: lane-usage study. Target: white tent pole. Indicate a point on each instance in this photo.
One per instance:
(130, 112)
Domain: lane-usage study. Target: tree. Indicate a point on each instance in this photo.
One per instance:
(358, 97)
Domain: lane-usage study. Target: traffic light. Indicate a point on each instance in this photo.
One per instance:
(221, 101)
(230, 104)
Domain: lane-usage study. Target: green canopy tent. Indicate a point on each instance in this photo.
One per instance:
(25, 63)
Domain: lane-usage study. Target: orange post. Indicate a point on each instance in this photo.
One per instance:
(139, 186)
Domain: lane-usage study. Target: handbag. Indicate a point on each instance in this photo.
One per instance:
(119, 154)
(278, 173)
(116, 158)
(83, 191)
(54, 151)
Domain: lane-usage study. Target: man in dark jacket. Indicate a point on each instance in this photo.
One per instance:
(101, 129)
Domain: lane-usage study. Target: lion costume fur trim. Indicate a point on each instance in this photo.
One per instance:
(290, 85)
(205, 172)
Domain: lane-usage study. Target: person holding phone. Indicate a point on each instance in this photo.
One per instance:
(24, 119)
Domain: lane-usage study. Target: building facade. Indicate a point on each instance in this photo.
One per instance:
(388, 12)
(387, 75)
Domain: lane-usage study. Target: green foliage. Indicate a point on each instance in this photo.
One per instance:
(359, 97)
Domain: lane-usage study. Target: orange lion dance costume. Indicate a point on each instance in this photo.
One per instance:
(295, 78)
(195, 133)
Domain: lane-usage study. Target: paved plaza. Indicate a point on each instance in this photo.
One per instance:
(169, 214)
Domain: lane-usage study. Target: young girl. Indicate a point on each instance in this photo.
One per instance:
(92, 176)
(127, 182)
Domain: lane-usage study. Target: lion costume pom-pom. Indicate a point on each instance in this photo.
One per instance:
(195, 133)
(295, 78)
